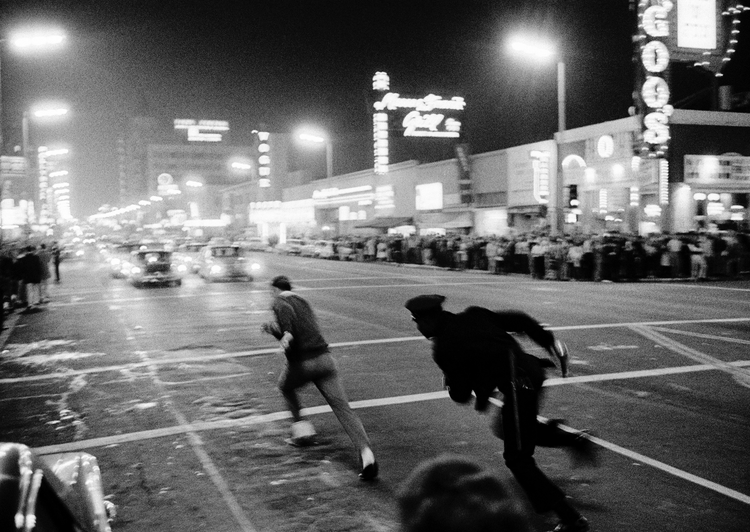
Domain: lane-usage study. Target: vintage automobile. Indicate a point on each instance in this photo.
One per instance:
(153, 267)
(189, 255)
(119, 255)
(254, 243)
(226, 263)
(293, 246)
(324, 249)
(60, 492)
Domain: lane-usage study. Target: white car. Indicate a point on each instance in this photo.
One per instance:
(293, 246)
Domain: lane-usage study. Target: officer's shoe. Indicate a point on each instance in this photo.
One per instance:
(583, 452)
(579, 525)
(303, 434)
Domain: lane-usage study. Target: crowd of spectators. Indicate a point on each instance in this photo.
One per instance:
(25, 273)
(608, 257)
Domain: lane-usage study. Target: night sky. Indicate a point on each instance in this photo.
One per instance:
(284, 63)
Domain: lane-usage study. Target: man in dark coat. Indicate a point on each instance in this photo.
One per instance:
(477, 356)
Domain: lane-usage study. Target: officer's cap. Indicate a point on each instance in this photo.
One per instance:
(426, 304)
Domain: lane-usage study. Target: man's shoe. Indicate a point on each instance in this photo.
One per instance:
(369, 465)
(369, 472)
(303, 434)
(583, 452)
(579, 525)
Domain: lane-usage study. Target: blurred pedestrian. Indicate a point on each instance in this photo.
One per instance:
(44, 259)
(455, 494)
(309, 361)
(57, 259)
(477, 356)
(30, 268)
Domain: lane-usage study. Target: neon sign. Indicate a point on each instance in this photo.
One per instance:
(653, 24)
(429, 116)
(540, 167)
(202, 130)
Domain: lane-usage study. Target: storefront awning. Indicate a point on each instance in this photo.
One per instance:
(526, 209)
(446, 220)
(385, 222)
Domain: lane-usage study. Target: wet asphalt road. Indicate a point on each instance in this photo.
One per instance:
(173, 389)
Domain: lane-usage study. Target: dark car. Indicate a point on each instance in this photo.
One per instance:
(225, 263)
(153, 267)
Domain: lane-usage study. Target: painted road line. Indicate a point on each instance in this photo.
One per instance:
(357, 343)
(198, 447)
(741, 376)
(370, 403)
(701, 335)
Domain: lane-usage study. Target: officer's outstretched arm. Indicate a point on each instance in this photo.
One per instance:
(559, 352)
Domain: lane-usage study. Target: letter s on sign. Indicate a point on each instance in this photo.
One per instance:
(657, 130)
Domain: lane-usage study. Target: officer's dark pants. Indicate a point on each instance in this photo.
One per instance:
(543, 494)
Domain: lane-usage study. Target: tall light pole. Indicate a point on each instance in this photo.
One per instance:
(545, 53)
(26, 41)
(319, 139)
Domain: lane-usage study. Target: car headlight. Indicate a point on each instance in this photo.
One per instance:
(182, 268)
(135, 270)
(215, 269)
(255, 266)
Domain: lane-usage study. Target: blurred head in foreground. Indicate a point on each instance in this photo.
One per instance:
(452, 493)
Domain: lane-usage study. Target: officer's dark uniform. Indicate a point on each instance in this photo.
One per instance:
(477, 354)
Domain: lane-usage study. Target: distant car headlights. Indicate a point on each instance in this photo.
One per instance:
(135, 270)
(254, 266)
(181, 268)
(215, 269)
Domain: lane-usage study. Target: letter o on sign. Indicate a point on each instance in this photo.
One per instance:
(655, 56)
(655, 92)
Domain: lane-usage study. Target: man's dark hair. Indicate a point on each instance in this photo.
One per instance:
(281, 282)
(452, 493)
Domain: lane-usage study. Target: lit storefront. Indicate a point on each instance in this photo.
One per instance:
(608, 188)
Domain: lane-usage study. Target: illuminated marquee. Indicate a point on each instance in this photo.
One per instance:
(202, 130)
(429, 116)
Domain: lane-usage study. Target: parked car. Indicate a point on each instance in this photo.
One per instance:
(307, 249)
(292, 246)
(255, 243)
(324, 249)
(154, 267)
(225, 263)
(50, 493)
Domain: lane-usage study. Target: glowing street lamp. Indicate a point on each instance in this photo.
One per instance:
(309, 137)
(539, 50)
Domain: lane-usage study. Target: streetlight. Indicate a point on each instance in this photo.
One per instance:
(544, 52)
(29, 41)
(319, 139)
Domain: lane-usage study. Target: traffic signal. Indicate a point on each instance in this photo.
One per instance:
(573, 202)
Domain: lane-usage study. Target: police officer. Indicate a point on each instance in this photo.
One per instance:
(477, 356)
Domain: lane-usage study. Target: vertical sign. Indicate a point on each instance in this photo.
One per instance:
(653, 102)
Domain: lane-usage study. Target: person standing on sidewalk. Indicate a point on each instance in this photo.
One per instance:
(44, 259)
(477, 356)
(309, 361)
(56, 259)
